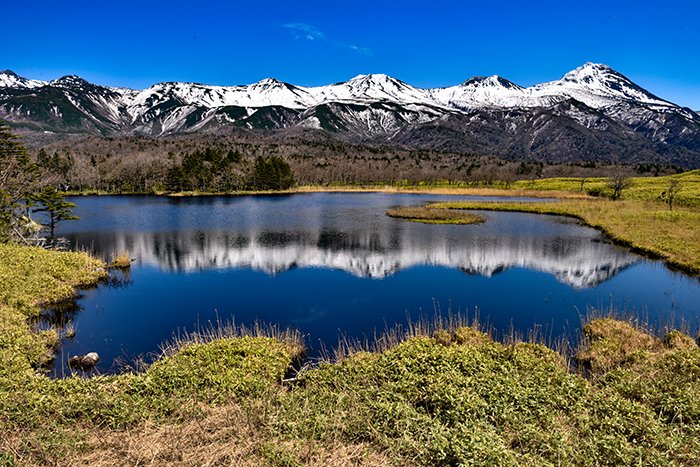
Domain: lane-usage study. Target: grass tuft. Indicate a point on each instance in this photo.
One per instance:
(121, 261)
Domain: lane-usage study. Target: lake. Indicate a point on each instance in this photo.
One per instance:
(333, 264)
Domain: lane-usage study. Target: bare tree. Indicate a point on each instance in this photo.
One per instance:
(618, 183)
(674, 186)
(583, 180)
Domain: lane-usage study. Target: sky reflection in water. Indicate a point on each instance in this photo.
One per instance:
(332, 264)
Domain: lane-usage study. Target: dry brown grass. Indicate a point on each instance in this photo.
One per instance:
(222, 436)
(416, 189)
(437, 190)
(612, 342)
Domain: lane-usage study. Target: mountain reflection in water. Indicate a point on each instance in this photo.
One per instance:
(580, 260)
(333, 264)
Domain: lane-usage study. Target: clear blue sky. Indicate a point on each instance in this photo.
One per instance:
(427, 43)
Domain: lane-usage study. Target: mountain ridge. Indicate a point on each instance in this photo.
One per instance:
(585, 72)
(377, 108)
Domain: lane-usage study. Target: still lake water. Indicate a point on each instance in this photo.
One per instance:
(332, 264)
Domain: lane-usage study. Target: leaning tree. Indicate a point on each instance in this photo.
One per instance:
(54, 204)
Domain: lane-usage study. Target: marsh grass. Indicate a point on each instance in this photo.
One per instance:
(391, 336)
(443, 394)
(121, 260)
(434, 216)
(447, 188)
(640, 189)
(220, 330)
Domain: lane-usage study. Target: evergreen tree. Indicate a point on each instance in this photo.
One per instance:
(272, 173)
(206, 170)
(54, 203)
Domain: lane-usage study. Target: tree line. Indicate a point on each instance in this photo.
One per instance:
(34, 183)
(216, 170)
(32, 188)
(224, 163)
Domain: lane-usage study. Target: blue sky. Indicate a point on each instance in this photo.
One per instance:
(427, 44)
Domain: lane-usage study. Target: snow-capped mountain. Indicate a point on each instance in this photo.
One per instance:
(371, 88)
(483, 92)
(9, 78)
(591, 113)
(598, 86)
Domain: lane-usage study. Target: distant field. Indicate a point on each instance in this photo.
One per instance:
(641, 188)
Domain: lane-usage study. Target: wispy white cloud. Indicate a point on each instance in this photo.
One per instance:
(304, 31)
(308, 32)
(358, 49)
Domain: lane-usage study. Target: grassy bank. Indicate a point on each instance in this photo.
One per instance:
(445, 395)
(646, 226)
(30, 277)
(43, 421)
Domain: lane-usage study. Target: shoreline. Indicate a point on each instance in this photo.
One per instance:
(505, 193)
(623, 235)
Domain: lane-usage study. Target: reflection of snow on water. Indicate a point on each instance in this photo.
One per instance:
(580, 262)
(315, 262)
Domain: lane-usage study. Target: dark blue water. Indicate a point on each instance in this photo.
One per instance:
(334, 264)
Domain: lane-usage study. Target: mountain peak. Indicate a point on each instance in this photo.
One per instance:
(589, 72)
(377, 80)
(373, 77)
(9, 78)
(69, 80)
(595, 66)
(490, 81)
(592, 82)
(269, 83)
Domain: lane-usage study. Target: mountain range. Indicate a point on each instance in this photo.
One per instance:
(593, 113)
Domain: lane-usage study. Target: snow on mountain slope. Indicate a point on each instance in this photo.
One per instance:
(485, 92)
(591, 107)
(371, 88)
(261, 94)
(595, 85)
(598, 86)
(368, 120)
(9, 79)
(271, 92)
